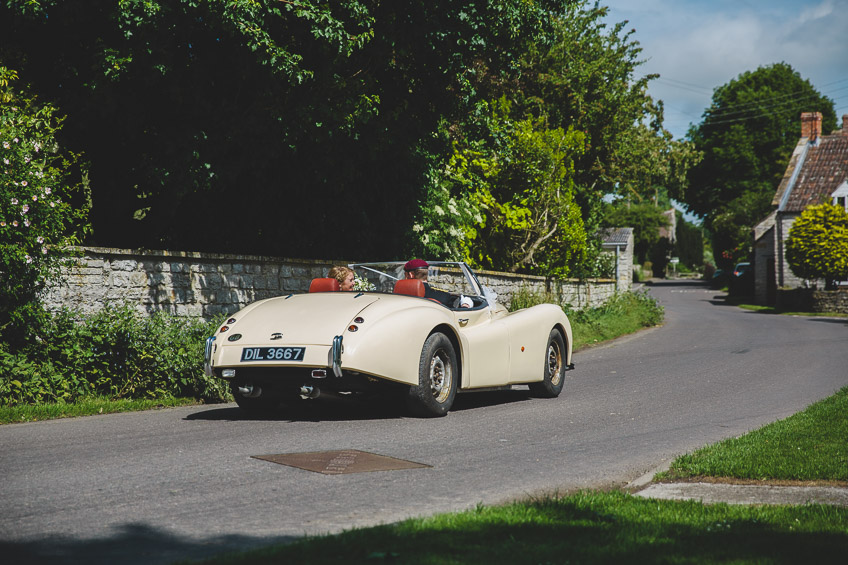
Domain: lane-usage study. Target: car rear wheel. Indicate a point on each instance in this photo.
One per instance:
(437, 375)
(256, 400)
(551, 384)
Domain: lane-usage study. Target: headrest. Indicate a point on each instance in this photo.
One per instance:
(411, 287)
(324, 285)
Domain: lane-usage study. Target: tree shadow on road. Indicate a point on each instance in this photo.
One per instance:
(133, 544)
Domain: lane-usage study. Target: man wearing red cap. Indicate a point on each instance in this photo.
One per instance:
(419, 269)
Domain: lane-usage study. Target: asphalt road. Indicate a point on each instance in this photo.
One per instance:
(164, 485)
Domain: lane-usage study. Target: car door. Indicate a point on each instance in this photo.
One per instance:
(487, 340)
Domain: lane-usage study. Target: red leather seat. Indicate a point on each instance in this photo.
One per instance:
(410, 287)
(324, 285)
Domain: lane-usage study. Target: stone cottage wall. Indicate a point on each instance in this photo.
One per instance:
(208, 284)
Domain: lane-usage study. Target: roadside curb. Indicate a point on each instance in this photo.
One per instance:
(712, 493)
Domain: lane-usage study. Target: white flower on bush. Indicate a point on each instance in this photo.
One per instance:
(24, 183)
(47, 190)
(2, 224)
(35, 198)
(14, 223)
(44, 251)
(361, 283)
(14, 201)
(39, 239)
(28, 259)
(26, 223)
(6, 145)
(25, 209)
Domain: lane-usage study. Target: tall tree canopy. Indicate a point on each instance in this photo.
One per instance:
(747, 137)
(584, 82)
(329, 129)
(260, 125)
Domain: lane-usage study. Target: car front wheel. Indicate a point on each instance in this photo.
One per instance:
(554, 375)
(437, 375)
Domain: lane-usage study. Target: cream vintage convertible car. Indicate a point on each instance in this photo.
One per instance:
(388, 337)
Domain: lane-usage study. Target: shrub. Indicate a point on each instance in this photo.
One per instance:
(113, 353)
(37, 219)
(817, 246)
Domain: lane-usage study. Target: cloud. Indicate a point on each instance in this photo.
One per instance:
(698, 46)
(817, 12)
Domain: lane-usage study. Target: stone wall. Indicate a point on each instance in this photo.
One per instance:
(208, 284)
(809, 300)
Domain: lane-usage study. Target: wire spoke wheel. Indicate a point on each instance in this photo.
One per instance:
(441, 376)
(555, 363)
(554, 372)
(437, 373)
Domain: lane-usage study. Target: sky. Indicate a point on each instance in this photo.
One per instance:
(698, 45)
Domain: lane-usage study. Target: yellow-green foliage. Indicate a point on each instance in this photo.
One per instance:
(817, 247)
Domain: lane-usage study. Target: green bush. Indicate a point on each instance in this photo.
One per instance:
(42, 202)
(817, 246)
(624, 313)
(114, 353)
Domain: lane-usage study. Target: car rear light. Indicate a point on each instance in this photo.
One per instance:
(224, 328)
(231, 321)
(353, 328)
(358, 320)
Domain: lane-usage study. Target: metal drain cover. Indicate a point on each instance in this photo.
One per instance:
(341, 462)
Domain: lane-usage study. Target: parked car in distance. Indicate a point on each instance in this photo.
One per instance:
(742, 280)
(388, 338)
(719, 279)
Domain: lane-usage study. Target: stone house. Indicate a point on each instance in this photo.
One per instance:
(817, 173)
(619, 241)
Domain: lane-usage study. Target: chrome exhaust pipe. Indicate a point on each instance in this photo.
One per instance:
(250, 391)
(309, 391)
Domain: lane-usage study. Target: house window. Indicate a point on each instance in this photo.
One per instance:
(840, 195)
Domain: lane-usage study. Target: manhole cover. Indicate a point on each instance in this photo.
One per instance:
(341, 462)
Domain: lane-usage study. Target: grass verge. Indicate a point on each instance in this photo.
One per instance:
(586, 527)
(772, 310)
(742, 302)
(807, 446)
(84, 407)
(625, 313)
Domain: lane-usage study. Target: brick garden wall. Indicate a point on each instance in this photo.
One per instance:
(208, 284)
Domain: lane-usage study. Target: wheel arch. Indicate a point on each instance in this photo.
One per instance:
(451, 334)
(566, 338)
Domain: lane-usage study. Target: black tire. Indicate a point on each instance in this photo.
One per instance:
(265, 402)
(437, 378)
(551, 384)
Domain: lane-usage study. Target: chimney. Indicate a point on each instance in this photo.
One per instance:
(844, 124)
(811, 124)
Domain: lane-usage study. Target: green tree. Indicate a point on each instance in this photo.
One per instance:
(817, 246)
(515, 188)
(245, 125)
(689, 243)
(746, 137)
(41, 207)
(580, 78)
(587, 79)
(646, 221)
